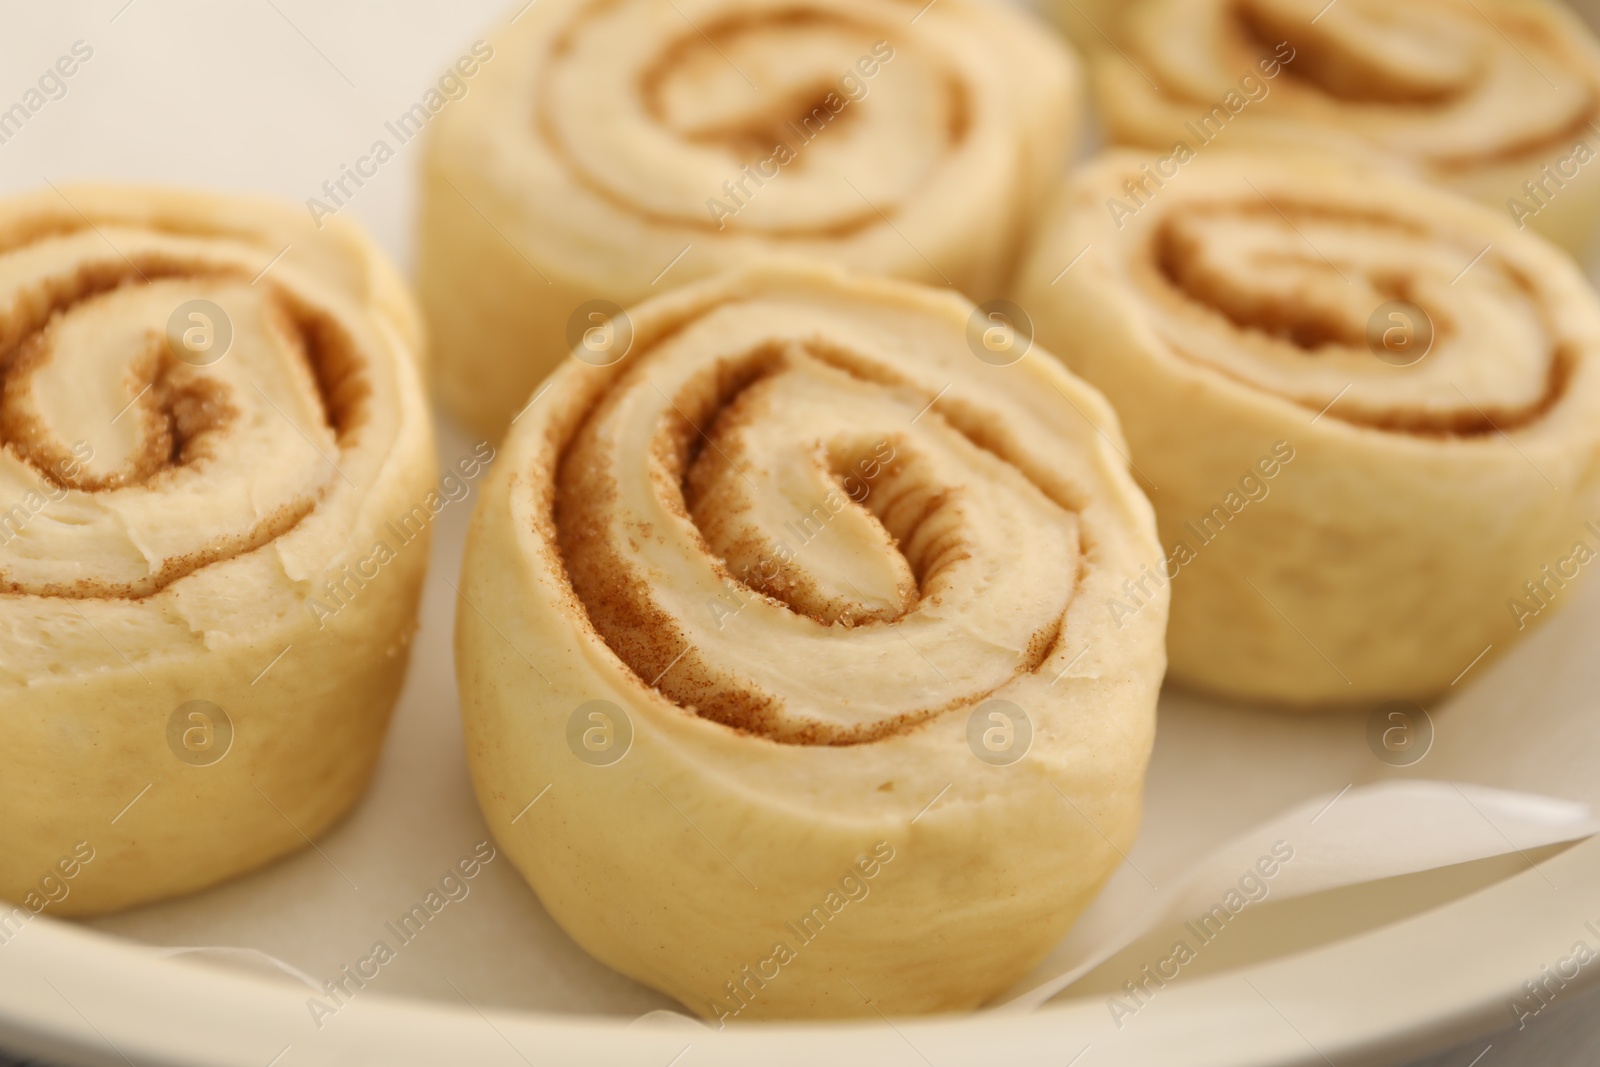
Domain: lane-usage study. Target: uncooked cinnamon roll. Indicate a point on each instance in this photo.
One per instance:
(1496, 99)
(1088, 24)
(211, 415)
(608, 151)
(1369, 412)
(784, 665)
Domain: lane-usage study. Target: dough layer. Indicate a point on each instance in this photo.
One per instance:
(1369, 411)
(834, 589)
(609, 151)
(1498, 100)
(211, 414)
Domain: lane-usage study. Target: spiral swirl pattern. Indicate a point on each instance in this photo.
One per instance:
(1479, 96)
(1279, 291)
(1372, 408)
(839, 580)
(687, 109)
(606, 142)
(842, 527)
(87, 362)
(207, 409)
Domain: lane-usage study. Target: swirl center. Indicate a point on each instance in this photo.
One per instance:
(773, 114)
(1281, 294)
(126, 467)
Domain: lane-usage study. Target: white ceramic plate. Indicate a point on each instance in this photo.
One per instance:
(273, 97)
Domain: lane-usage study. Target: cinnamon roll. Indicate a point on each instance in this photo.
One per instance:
(607, 151)
(1368, 411)
(1088, 24)
(783, 649)
(211, 412)
(1495, 99)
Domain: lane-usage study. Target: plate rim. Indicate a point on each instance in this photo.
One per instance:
(171, 1011)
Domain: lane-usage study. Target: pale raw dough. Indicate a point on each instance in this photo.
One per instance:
(776, 758)
(1477, 95)
(1233, 312)
(1089, 24)
(585, 160)
(169, 527)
